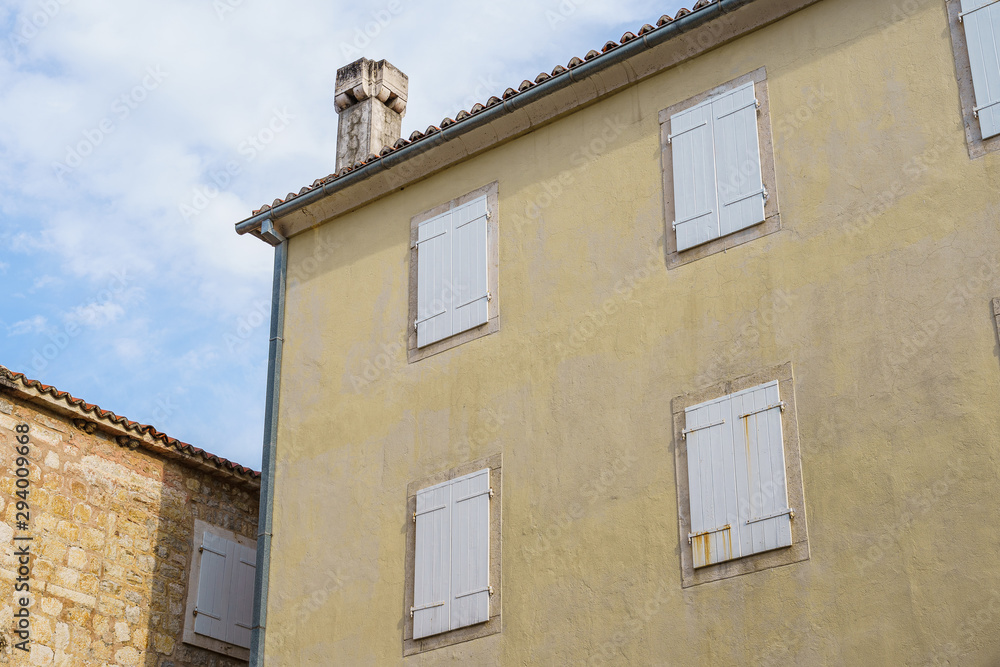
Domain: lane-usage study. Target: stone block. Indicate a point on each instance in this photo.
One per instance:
(52, 460)
(41, 655)
(68, 531)
(79, 490)
(62, 506)
(128, 656)
(83, 513)
(51, 606)
(122, 632)
(163, 644)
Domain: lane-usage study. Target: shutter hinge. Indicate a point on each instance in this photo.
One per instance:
(491, 495)
(490, 589)
(414, 517)
(756, 104)
(766, 194)
(200, 550)
(195, 611)
(489, 296)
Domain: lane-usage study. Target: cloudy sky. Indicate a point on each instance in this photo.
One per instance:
(122, 279)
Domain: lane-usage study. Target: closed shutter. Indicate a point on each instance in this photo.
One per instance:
(432, 562)
(435, 291)
(982, 33)
(736, 476)
(214, 577)
(737, 160)
(765, 516)
(470, 266)
(696, 207)
(241, 596)
(470, 548)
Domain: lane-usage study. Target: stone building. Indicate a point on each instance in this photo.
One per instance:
(117, 522)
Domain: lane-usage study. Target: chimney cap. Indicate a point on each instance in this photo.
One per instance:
(366, 78)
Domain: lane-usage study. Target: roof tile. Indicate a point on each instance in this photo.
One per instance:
(417, 135)
(139, 429)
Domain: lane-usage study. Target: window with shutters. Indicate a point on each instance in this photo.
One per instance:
(975, 33)
(739, 479)
(453, 273)
(453, 557)
(219, 609)
(718, 170)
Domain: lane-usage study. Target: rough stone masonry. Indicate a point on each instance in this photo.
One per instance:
(112, 519)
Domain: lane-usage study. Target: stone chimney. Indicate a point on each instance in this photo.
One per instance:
(371, 101)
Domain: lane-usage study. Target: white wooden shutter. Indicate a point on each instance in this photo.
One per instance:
(212, 607)
(737, 160)
(452, 272)
(432, 562)
(434, 281)
(241, 596)
(470, 548)
(982, 33)
(736, 476)
(696, 208)
(470, 269)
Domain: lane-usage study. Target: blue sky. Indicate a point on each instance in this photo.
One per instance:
(122, 279)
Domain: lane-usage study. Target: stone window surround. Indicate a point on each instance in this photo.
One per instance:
(459, 635)
(772, 217)
(492, 324)
(194, 570)
(966, 94)
(799, 550)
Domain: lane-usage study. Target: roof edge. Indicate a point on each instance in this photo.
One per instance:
(405, 150)
(89, 418)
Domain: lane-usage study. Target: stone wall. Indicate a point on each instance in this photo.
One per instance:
(112, 536)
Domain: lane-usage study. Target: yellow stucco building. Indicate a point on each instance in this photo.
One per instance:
(587, 376)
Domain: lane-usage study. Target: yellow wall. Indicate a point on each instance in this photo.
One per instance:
(884, 219)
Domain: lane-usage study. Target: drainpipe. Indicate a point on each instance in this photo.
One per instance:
(266, 511)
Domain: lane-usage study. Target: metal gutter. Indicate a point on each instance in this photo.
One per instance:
(266, 511)
(522, 99)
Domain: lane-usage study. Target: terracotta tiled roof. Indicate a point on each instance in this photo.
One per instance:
(559, 70)
(183, 448)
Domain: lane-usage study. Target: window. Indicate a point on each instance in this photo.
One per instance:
(975, 32)
(220, 591)
(718, 169)
(739, 485)
(453, 564)
(453, 279)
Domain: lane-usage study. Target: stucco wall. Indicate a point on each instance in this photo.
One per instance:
(111, 546)
(877, 290)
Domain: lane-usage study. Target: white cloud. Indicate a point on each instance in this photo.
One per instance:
(34, 324)
(95, 315)
(150, 124)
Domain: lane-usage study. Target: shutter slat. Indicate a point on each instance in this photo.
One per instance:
(736, 476)
(738, 160)
(470, 549)
(696, 209)
(211, 604)
(470, 265)
(434, 282)
(982, 35)
(432, 562)
(241, 596)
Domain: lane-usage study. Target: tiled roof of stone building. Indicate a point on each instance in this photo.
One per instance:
(559, 70)
(138, 434)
